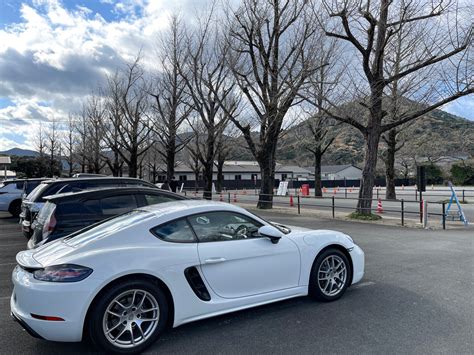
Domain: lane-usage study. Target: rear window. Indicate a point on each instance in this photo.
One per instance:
(84, 208)
(108, 227)
(37, 191)
(114, 205)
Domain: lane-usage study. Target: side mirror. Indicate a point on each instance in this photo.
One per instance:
(270, 232)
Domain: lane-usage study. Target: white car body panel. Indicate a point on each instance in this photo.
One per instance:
(8, 194)
(255, 271)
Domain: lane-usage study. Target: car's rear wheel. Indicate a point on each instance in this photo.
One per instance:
(15, 208)
(330, 275)
(128, 317)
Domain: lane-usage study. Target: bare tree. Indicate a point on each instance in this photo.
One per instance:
(52, 145)
(70, 143)
(170, 108)
(370, 28)
(40, 140)
(272, 56)
(128, 89)
(211, 92)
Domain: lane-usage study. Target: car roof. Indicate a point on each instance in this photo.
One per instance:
(82, 179)
(100, 192)
(25, 179)
(192, 206)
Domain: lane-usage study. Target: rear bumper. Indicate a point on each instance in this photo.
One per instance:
(67, 301)
(358, 263)
(25, 326)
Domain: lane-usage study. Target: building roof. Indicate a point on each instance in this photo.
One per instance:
(5, 160)
(332, 169)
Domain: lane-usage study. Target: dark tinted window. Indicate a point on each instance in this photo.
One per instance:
(84, 208)
(31, 185)
(20, 184)
(114, 205)
(175, 231)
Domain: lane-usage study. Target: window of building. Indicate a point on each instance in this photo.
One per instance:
(238, 177)
(284, 177)
(183, 178)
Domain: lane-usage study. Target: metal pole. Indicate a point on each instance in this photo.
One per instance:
(421, 211)
(299, 210)
(377, 193)
(228, 197)
(333, 208)
(463, 201)
(184, 192)
(444, 214)
(345, 192)
(416, 194)
(403, 211)
(425, 214)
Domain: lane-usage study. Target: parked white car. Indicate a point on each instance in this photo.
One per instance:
(12, 192)
(123, 281)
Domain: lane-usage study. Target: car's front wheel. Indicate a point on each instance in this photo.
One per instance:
(330, 275)
(128, 317)
(15, 208)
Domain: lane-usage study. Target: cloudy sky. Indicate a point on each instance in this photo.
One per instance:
(54, 52)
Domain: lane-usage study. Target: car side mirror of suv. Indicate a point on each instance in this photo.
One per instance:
(270, 232)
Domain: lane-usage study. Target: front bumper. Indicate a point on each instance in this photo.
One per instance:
(68, 301)
(358, 263)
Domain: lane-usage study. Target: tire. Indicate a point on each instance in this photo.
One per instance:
(110, 320)
(330, 275)
(15, 208)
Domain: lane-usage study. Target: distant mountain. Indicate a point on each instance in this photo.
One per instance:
(434, 134)
(20, 152)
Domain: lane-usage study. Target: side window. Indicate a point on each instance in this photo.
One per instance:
(85, 209)
(114, 205)
(177, 231)
(224, 226)
(19, 185)
(154, 199)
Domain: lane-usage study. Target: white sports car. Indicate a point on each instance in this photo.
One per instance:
(123, 281)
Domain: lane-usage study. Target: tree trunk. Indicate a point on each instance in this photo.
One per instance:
(133, 165)
(207, 177)
(267, 170)
(390, 193)
(364, 205)
(170, 157)
(317, 173)
(220, 176)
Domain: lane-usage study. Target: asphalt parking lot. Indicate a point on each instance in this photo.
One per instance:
(416, 297)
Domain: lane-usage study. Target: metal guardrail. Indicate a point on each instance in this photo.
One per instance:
(301, 202)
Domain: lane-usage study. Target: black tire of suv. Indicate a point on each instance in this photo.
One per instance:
(15, 208)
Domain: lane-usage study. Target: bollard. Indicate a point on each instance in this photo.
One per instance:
(421, 211)
(443, 206)
(425, 214)
(403, 211)
(299, 208)
(345, 192)
(463, 200)
(291, 201)
(228, 197)
(333, 208)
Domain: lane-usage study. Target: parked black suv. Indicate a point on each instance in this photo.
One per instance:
(32, 203)
(66, 213)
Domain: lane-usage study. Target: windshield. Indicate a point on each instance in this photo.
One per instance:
(108, 227)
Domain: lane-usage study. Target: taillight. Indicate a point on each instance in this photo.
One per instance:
(49, 224)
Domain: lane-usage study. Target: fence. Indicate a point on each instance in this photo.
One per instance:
(403, 209)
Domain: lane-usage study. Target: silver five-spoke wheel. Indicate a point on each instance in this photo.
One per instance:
(131, 318)
(332, 274)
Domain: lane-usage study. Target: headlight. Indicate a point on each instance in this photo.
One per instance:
(62, 273)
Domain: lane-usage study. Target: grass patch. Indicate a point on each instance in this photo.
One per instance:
(364, 217)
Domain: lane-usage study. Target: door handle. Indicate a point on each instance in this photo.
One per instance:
(214, 260)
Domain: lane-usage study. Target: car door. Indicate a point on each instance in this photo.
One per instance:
(237, 262)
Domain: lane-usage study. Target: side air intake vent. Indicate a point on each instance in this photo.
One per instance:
(196, 283)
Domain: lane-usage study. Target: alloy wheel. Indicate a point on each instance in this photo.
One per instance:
(332, 275)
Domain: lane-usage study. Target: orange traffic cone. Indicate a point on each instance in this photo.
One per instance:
(325, 190)
(291, 201)
(334, 191)
(220, 198)
(235, 197)
(379, 206)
